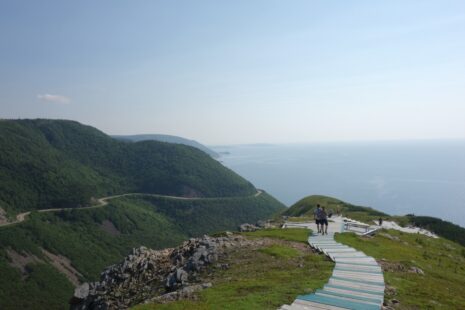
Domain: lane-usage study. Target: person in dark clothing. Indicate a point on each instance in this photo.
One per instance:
(316, 215)
(380, 221)
(324, 221)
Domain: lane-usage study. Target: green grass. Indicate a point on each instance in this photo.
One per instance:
(43, 288)
(300, 219)
(264, 278)
(290, 234)
(364, 217)
(441, 287)
(280, 251)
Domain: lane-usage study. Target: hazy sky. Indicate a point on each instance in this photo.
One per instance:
(225, 72)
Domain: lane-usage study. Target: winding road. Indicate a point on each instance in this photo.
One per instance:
(21, 217)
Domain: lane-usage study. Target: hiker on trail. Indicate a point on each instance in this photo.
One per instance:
(380, 221)
(316, 215)
(323, 221)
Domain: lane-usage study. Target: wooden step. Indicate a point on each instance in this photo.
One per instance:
(357, 285)
(309, 305)
(348, 298)
(378, 293)
(331, 301)
(355, 294)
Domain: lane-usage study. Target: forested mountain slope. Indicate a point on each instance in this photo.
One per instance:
(48, 164)
(169, 139)
(55, 163)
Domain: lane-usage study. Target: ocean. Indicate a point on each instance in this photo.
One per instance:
(419, 177)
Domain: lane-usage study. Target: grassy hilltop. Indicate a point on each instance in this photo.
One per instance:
(420, 272)
(303, 210)
(305, 207)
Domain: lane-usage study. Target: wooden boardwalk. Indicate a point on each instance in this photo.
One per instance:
(357, 281)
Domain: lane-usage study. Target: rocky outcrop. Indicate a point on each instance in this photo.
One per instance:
(154, 275)
(246, 227)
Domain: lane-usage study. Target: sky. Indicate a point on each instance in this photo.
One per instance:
(232, 72)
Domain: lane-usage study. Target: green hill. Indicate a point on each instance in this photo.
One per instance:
(442, 228)
(54, 163)
(303, 210)
(169, 139)
(306, 206)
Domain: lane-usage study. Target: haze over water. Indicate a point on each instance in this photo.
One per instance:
(420, 177)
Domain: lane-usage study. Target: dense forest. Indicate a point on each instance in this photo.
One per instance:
(169, 139)
(54, 163)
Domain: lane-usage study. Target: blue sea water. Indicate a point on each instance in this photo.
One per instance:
(420, 177)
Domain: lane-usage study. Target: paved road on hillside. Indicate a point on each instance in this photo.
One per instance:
(21, 217)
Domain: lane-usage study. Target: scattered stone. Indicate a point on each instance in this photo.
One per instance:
(398, 267)
(222, 266)
(390, 290)
(148, 275)
(387, 266)
(82, 291)
(261, 224)
(265, 224)
(414, 269)
(246, 227)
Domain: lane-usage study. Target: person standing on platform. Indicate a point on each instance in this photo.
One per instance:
(323, 221)
(316, 215)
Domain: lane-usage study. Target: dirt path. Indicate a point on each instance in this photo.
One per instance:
(21, 217)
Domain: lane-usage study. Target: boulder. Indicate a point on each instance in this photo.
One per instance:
(246, 227)
(148, 274)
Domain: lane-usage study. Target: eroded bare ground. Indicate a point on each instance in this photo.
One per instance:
(108, 227)
(388, 266)
(3, 218)
(63, 265)
(21, 260)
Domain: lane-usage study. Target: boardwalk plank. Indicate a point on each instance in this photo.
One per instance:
(357, 281)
